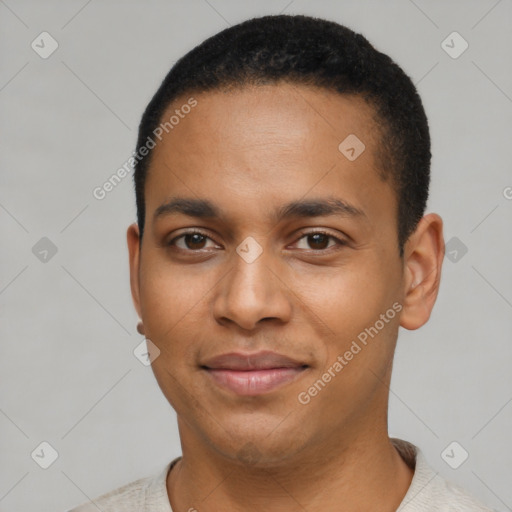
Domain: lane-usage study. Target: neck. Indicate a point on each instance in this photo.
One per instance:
(366, 472)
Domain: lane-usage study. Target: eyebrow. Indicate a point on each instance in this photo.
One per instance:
(205, 209)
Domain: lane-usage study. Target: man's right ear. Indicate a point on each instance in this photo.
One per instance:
(133, 240)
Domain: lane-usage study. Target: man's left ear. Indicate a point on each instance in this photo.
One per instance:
(423, 259)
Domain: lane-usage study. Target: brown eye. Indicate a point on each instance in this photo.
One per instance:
(318, 241)
(193, 241)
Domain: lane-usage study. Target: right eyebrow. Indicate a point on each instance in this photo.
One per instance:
(200, 208)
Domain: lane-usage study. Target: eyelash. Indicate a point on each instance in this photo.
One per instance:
(303, 234)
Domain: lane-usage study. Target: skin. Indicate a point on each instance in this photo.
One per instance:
(249, 151)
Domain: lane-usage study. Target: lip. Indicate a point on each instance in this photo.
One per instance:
(263, 360)
(253, 374)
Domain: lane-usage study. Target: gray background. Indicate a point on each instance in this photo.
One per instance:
(68, 373)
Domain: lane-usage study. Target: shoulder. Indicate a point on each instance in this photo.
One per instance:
(443, 495)
(128, 498)
(431, 492)
(148, 493)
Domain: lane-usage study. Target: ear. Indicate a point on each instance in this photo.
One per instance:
(133, 239)
(423, 259)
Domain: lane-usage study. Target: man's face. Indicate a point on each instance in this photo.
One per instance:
(250, 153)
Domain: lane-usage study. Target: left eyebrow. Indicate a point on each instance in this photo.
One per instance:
(202, 208)
(317, 208)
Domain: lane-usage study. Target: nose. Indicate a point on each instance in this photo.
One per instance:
(252, 292)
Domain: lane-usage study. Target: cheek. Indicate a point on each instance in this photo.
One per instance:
(348, 299)
(172, 301)
(350, 303)
(163, 280)
(358, 357)
(173, 309)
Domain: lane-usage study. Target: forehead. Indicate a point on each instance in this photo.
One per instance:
(289, 111)
(258, 144)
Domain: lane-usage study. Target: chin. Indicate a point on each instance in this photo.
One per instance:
(260, 448)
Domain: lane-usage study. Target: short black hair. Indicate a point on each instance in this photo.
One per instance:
(304, 50)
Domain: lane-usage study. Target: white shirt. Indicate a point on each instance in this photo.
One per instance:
(428, 492)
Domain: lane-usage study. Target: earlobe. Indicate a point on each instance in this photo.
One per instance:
(424, 253)
(133, 241)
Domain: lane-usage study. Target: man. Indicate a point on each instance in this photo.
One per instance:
(281, 180)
